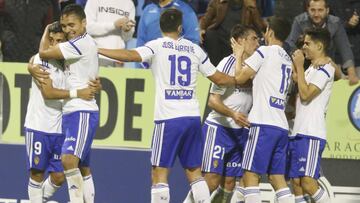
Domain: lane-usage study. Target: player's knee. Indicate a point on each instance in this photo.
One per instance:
(69, 161)
(229, 183)
(213, 180)
(309, 185)
(36, 175)
(57, 178)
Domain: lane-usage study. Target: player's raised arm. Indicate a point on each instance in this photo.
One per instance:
(243, 73)
(306, 91)
(222, 79)
(121, 54)
(45, 50)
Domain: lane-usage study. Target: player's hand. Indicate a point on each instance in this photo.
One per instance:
(38, 73)
(95, 84)
(298, 59)
(202, 36)
(124, 24)
(241, 119)
(237, 47)
(354, 20)
(352, 77)
(86, 93)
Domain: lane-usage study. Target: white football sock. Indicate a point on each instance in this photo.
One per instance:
(35, 191)
(160, 193)
(49, 188)
(252, 195)
(75, 185)
(200, 191)
(89, 189)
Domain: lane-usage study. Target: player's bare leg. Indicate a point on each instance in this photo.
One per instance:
(251, 181)
(239, 192)
(52, 184)
(34, 186)
(160, 192)
(311, 186)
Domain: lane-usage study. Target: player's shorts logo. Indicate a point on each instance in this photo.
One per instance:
(354, 108)
(36, 160)
(216, 163)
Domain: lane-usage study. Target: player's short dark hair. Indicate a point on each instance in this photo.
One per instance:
(170, 20)
(241, 31)
(321, 35)
(307, 3)
(74, 9)
(55, 27)
(280, 26)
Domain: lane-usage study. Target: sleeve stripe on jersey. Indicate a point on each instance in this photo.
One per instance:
(205, 60)
(72, 44)
(227, 67)
(45, 63)
(150, 49)
(78, 37)
(261, 54)
(322, 69)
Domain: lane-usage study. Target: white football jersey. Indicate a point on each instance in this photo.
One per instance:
(82, 65)
(175, 65)
(236, 98)
(45, 115)
(310, 116)
(273, 68)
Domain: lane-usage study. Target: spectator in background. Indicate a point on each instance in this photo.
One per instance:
(111, 23)
(149, 27)
(317, 15)
(82, 3)
(349, 11)
(23, 25)
(220, 17)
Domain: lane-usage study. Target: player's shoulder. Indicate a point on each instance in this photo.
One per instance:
(184, 7)
(226, 64)
(328, 69)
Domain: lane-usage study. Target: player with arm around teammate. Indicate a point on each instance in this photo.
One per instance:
(43, 132)
(309, 133)
(80, 117)
(266, 148)
(175, 63)
(225, 129)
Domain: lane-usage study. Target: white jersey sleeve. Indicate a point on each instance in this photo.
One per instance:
(70, 50)
(224, 66)
(206, 68)
(148, 50)
(323, 76)
(257, 59)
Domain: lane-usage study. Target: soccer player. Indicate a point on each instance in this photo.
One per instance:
(43, 133)
(175, 63)
(309, 133)
(80, 117)
(225, 128)
(265, 151)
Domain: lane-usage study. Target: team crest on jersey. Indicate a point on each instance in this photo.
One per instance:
(36, 160)
(277, 103)
(178, 94)
(216, 163)
(354, 108)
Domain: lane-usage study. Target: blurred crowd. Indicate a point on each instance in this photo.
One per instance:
(131, 23)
